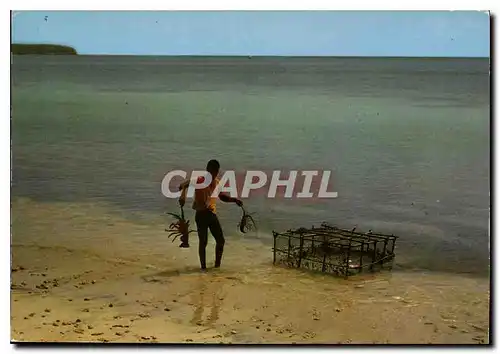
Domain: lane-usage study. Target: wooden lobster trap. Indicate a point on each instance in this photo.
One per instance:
(333, 250)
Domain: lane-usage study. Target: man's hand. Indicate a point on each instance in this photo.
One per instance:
(184, 185)
(238, 202)
(182, 201)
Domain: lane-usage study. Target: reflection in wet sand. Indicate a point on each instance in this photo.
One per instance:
(207, 294)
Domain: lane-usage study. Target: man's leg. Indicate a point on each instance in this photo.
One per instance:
(202, 227)
(216, 230)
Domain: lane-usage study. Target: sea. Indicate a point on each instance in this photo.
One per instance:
(407, 141)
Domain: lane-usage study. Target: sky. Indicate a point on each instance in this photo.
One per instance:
(281, 33)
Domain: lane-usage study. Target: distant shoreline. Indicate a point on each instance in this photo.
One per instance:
(41, 49)
(252, 57)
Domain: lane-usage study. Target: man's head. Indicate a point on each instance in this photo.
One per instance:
(213, 167)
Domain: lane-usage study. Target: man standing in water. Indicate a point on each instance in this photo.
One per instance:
(206, 217)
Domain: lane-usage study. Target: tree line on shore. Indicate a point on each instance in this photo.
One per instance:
(42, 49)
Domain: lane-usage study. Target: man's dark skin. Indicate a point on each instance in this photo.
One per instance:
(205, 215)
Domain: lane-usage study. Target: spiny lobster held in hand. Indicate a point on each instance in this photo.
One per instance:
(180, 228)
(246, 223)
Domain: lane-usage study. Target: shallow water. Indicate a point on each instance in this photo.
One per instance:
(407, 139)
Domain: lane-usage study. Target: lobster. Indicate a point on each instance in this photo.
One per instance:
(180, 228)
(247, 222)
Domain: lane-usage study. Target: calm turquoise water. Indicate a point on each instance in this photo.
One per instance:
(407, 139)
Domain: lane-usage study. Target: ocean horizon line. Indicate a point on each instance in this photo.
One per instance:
(250, 57)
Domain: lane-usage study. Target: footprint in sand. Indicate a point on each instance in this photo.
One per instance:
(119, 326)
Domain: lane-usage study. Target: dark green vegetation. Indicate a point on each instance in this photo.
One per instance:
(42, 49)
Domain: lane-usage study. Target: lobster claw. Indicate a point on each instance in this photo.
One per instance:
(175, 236)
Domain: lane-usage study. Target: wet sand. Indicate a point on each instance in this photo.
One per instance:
(81, 273)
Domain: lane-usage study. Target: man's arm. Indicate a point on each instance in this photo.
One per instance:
(183, 187)
(226, 198)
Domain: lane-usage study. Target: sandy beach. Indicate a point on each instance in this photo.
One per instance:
(81, 273)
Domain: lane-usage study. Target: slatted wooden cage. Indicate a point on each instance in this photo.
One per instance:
(334, 250)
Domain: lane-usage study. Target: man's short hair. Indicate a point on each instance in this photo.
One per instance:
(213, 166)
